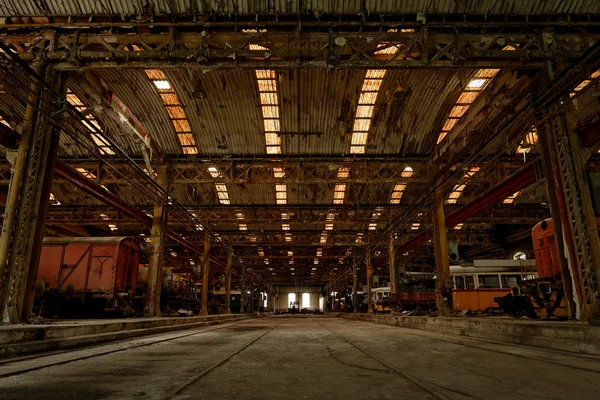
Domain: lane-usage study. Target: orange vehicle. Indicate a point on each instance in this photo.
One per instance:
(544, 296)
(475, 287)
(95, 274)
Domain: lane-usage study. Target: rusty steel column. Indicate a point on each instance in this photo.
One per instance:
(252, 292)
(228, 282)
(557, 211)
(355, 286)
(392, 263)
(157, 234)
(243, 290)
(444, 280)
(205, 274)
(573, 212)
(369, 270)
(27, 203)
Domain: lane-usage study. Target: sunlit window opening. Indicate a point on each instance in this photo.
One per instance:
(292, 300)
(474, 87)
(305, 300)
(175, 110)
(221, 188)
(584, 83)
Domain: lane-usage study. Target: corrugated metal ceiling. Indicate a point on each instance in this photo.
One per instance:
(125, 8)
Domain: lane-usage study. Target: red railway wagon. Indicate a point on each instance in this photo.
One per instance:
(93, 272)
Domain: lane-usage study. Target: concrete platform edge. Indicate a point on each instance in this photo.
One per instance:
(69, 336)
(574, 338)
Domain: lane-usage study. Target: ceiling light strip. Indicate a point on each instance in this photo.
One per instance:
(175, 110)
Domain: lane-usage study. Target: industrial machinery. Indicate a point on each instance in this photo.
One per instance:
(87, 277)
(542, 297)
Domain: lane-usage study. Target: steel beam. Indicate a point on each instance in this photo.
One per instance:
(214, 49)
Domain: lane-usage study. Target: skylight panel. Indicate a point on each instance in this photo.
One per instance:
(407, 172)
(174, 109)
(474, 87)
(511, 199)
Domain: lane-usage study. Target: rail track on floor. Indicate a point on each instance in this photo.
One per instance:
(147, 342)
(199, 375)
(416, 381)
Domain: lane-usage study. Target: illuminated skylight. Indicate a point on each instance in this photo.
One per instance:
(373, 226)
(222, 193)
(407, 172)
(113, 227)
(243, 227)
(323, 239)
(339, 193)
(415, 226)
(459, 226)
(2, 121)
(88, 174)
(54, 200)
(91, 124)
(584, 83)
(459, 188)
(474, 87)
(278, 172)
(360, 237)
(269, 100)
(397, 193)
(285, 227)
(175, 110)
(281, 193)
(364, 111)
(511, 199)
(288, 237)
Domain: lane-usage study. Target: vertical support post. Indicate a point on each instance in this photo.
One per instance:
(369, 270)
(252, 292)
(444, 280)
(31, 182)
(392, 263)
(157, 234)
(205, 274)
(243, 290)
(572, 212)
(228, 282)
(355, 286)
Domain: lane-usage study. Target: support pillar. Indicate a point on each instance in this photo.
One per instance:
(369, 269)
(392, 263)
(157, 233)
(243, 290)
(205, 274)
(444, 280)
(27, 202)
(252, 292)
(572, 212)
(228, 282)
(355, 286)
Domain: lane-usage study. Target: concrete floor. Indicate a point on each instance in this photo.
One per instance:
(302, 358)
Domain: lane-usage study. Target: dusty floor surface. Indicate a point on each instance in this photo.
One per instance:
(302, 358)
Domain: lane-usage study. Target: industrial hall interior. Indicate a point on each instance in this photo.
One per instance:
(299, 199)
